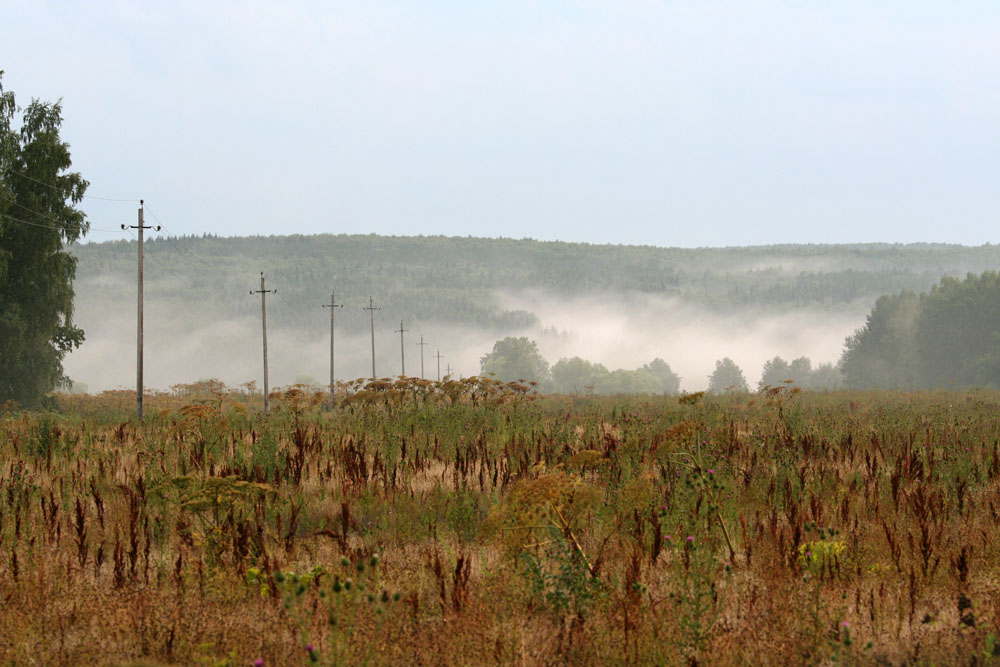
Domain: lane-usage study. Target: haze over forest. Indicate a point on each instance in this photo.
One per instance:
(621, 306)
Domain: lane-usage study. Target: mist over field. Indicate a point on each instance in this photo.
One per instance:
(629, 330)
(618, 330)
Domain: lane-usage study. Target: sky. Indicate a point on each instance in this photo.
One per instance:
(668, 123)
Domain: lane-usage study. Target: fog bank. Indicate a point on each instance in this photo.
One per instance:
(617, 330)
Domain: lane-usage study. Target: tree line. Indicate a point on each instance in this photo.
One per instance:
(515, 359)
(947, 337)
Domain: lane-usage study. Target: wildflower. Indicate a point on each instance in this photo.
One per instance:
(711, 471)
(845, 624)
(259, 662)
(690, 538)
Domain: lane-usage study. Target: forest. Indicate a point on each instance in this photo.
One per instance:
(456, 279)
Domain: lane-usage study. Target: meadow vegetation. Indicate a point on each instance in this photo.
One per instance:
(473, 522)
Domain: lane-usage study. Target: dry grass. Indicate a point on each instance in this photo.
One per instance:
(489, 527)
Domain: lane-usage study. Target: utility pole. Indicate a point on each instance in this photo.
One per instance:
(371, 309)
(333, 305)
(422, 345)
(402, 352)
(138, 341)
(438, 357)
(448, 370)
(263, 323)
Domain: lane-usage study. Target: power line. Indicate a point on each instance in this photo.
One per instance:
(164, 267)
(60, 229)
(62, 226)
(49, 185)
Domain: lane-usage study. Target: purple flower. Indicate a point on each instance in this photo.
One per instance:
(711, 471)
(666, 537)
(690, 539)
(309, 648)
(259, 662)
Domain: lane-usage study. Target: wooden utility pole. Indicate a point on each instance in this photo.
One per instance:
(263, 323)
(402, 352)
(371, 309)
(333, 305)
(422, 345)
(438, 357)
(139, 324)
(448, 371)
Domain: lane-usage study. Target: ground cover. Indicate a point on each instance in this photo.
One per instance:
(475, 523)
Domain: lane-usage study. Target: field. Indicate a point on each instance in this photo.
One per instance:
(475, 523)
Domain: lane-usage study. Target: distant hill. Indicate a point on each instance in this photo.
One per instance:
(450, 284)
(455, 279)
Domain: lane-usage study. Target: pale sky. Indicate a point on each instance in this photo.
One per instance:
(709, 123)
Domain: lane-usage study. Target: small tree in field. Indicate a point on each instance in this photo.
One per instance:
(670, 382)
(775, 372)
(515, 359)
(727, 377)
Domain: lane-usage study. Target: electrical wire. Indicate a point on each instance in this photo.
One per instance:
(60, 229)
(48, 185)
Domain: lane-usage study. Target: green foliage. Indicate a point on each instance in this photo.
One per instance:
(561, 578)
(882, 354)
(572, 376)
(775, 372)
(727, 377)
(670, 382)
(45, 438)
(37, 216)
(576, 375)
(778, 372)
(515, 359)
(945, 338)
(958, 332)
(699, 601)
(639, 381)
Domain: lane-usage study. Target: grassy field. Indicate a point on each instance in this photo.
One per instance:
(474, 523)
